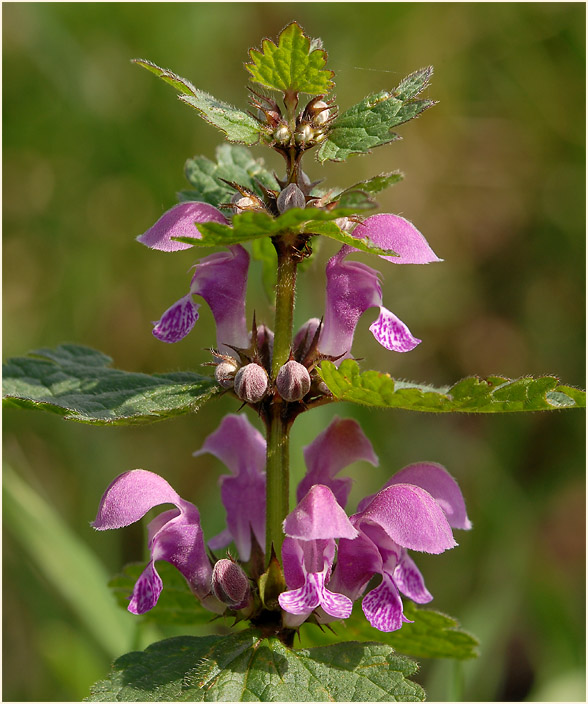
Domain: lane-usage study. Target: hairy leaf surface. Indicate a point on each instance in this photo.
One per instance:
(78, 383)
(247, 667)
(494, 394)
(368, 124)
(238, 126)
(431, 635)
(233, 163)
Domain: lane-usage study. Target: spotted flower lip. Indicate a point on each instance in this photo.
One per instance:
(242, 448)
(174, 536)
(352, 288)
(221, 280)
(180, 221)
(308, 552)
(415, 510)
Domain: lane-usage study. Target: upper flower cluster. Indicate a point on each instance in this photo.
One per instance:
(328, 558)
(244, 358)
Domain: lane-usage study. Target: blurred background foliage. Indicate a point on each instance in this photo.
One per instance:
(93, 154)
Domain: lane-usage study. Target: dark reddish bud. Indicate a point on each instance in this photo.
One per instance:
(265, 345)
(293, 381)
(304, 337)
(230, 584)
(251, 383)
(291, 197)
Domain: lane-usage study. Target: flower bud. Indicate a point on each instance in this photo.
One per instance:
(282, 134)
(251, 383)
(345, 224)
(320, 112)
(293, 381)
(265, 345)
(324, 389)
(304, 178)
(248, 202)
(304, 134)
(230, 584)
(271, 117)
(291, 197)
(304, 337)
(225, 372)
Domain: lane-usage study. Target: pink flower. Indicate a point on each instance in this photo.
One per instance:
(221, 280)
(307, 556)
(179, 221)
(241, 448)
(415, 510)
(174, 536)
(342, 443)
(353, 287)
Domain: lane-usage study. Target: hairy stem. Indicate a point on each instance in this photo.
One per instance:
(285, 291)
(278, 455)
(278, 485)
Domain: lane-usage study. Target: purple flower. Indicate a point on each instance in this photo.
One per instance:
(353, 287)
(308, 553)
(242, 448)
(174, 536)
(389, 231)
(415, 510)
(179, 221)
(220, 279)
(342, 443)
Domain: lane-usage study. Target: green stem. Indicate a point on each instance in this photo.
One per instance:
(278, 484)
(278, 449)
(285, 291)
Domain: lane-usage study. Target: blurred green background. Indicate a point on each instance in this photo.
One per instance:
(93, 154)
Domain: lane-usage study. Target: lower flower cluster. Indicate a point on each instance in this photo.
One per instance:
(329, 559)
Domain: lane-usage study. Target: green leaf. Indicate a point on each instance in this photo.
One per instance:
(181, 84)
(414, 83)
(246, 667)
(294, 65)
(471, 395)
(237, 125)
(176, 605)
(431, 635)
(253, 224)
(358, 196)
(368, 124)
(77, 383)
(233, 163)
(358, 200)
(375, 184)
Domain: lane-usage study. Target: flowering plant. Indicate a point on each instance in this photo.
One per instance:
(308, 565)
